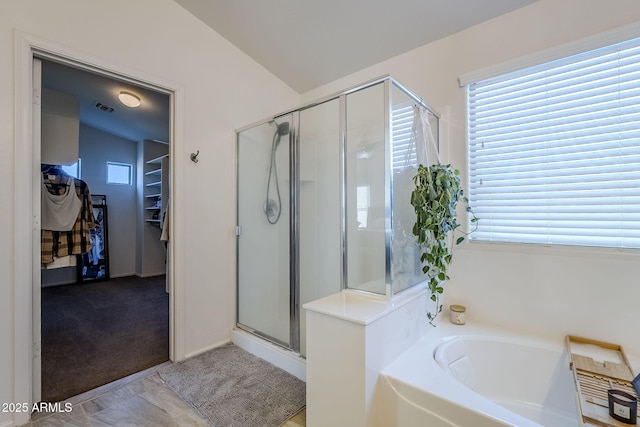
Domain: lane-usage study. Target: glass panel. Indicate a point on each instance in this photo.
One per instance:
(119, 173)
(319, 205)
(263, 215)
(365, 189)
(405, 254)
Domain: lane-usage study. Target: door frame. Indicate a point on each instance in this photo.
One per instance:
(26, 274)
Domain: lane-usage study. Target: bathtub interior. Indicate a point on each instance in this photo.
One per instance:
(418, 392)
(532, 381)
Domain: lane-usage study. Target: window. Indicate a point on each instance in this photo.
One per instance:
(403, 153)
(554, 151)
(119, 173)
(73, 169)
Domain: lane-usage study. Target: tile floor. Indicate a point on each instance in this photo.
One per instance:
(298, 420)
(138, 400)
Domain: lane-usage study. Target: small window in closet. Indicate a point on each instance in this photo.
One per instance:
(119, 173)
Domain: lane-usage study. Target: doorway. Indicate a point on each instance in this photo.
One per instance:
(27, 183)
(105, 316)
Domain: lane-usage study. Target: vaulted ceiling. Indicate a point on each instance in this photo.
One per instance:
(308, 43)
(304, 43)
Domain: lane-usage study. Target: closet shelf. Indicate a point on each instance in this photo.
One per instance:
(154, 172)
(153, 184)
(157, 160)
(150, 196)
(153, 208)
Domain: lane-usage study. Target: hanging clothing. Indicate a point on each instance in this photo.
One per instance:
(77, 240)
(164, 224)
(97, 251)
(65, 261)
(60, 211)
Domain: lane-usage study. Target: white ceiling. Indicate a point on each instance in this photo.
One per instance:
(149, 121)
(308, 43)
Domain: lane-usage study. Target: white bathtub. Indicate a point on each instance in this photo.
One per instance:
(483, 378)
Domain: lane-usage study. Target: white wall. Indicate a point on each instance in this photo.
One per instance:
(96, 149)
(544, 291)
(220, 87)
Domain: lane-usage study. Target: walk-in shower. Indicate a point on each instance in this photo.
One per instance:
(323, 204)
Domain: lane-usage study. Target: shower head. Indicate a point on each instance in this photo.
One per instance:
(283, 128)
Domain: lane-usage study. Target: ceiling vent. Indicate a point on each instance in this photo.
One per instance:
(99, 105)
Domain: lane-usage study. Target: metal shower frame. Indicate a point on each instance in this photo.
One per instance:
(294, 198)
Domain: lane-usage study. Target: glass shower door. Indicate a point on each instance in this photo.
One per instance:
(263, 230)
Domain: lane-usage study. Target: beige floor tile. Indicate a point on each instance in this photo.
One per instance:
(75, 418)
(134, 411)
(298, 420)
(145, 401)
(191, 419)
(163, 397)
(112, 398)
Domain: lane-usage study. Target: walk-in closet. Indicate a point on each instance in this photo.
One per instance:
(104, 302)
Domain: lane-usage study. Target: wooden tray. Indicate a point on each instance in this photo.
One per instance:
(597, 367)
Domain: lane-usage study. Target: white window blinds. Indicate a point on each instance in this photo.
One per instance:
(403, 153)
(554, 151)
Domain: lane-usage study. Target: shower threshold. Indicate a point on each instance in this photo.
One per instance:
(273, 353)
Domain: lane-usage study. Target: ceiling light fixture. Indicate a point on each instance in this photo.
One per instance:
(129, 99)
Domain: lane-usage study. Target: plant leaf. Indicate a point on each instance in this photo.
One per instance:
(435, 197)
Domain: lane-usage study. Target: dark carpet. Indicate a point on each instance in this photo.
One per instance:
(96, 333)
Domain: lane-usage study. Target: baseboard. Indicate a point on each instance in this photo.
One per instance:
(144, 276)
(117, 276)
(52, 284)
(272, 353)
(205, 349)
(111, 276)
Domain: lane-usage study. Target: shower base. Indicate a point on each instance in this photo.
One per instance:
(276, 355)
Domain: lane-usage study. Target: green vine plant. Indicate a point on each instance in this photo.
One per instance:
(435, 197)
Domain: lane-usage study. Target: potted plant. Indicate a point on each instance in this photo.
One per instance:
(435, 198)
